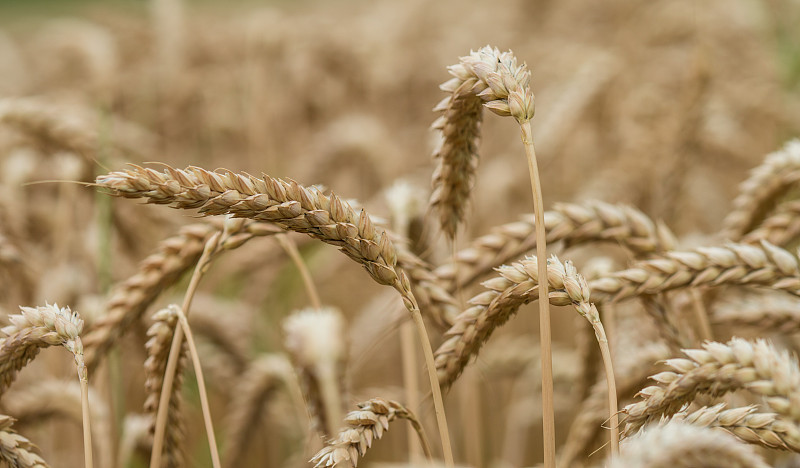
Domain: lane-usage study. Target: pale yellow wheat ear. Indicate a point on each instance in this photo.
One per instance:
(39, 327)
(364, 426)
(15, 449)
(681, 445)
(315, 341)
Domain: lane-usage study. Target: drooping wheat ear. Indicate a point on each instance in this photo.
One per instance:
(681, 445)
(780, 227)
(53, 398)
(35, 328)
(590, 423)
(761, 315)
(15, 449)
(174, 257)
(364, 426)
(765, 429)
(294, 208)
(741, 264)
(315, 340)
(759, 193)
(254, 389)
(158, 346)
(484, 78)
(572, 224)
(718, 369)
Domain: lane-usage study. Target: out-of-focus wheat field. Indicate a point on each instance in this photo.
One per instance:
(650, 115)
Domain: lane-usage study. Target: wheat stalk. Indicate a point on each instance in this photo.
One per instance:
(15, 449)
(718, 369)
(681, 445)
(365, 425)
(758, 194)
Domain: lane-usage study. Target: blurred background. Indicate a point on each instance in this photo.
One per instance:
(662, 104)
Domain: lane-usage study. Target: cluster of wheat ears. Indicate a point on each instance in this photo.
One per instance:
(698, 385)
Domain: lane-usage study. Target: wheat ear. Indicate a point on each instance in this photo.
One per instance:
(15, 449)
(365, 425)
(316, 344)
(174, 256)
(160, 332)
(718, 369)
(763, 314)
(571, 224)
(264, 375)
(758, 194)
(780, 227)
(681, 445)
(295, 208)
(746, 423)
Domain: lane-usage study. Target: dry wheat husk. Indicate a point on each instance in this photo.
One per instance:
(15, 449)
(759, 193)
(158, 347)
(364, 426)
(33, 329)
(264, 376)
(716, 370)
(681, 445)
(746, 423)
(572, 224)
(781, 227)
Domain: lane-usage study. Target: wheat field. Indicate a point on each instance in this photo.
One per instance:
(315, 234)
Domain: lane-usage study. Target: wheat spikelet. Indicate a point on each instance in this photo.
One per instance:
(780, 227)
(158, 347)
(764, 429)
(680, 445)
(173, 258)
(315, 340)
(766, 184)
(265, 375)
(718, 369)
(33, 329)
(572, 224)
(484, 78)
(364, 426)
(15, 449)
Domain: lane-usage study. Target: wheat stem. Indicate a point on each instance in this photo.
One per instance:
(548, 413)
(291, 249)
(613, 406)
(411, 383)
(87, 417)
(201, 386)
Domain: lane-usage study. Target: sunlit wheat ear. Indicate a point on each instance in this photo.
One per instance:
(765, 186)
(15, 449)
(765, 429)
(715, 370)
(315, 340)
(255, 388)
(364, 426)
(160, 338)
